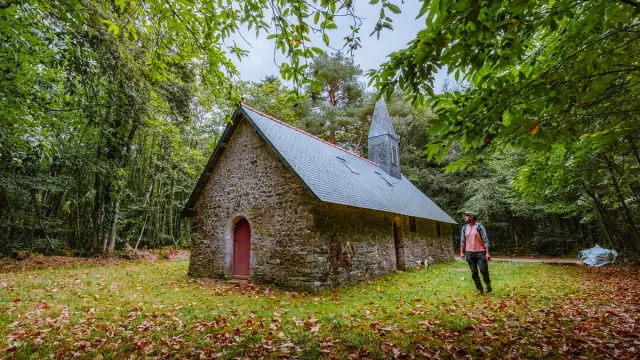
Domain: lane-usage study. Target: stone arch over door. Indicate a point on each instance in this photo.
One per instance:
(398, 244)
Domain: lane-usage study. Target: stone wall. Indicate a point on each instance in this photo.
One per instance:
(248, 181)
(425, 243)
(358, 244)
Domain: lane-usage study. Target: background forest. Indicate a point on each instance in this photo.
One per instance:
(109, 111)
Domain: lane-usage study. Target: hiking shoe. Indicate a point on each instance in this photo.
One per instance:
(489, 289)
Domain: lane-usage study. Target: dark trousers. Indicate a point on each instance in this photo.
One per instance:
(478, 260)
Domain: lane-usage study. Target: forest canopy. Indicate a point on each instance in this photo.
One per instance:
(110, 109)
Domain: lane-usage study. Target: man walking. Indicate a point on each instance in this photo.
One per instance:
(474, 241)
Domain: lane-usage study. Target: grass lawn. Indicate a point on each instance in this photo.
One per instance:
(152, 309)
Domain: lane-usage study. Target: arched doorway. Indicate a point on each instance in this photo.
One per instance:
(241, 249)
(399, 247)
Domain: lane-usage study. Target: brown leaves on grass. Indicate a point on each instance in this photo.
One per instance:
(601, 320)
(221, 288)
(38, 262)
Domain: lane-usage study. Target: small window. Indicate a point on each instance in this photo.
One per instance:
(349, 166)
(394, 154)
(438, 228)
(412, 224)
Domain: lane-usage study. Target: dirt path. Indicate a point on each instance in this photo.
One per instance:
(546, 261)
(535, 260)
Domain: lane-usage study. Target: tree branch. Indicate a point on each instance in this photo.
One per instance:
(630, 2)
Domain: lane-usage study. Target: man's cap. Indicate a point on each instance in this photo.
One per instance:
(471, 213)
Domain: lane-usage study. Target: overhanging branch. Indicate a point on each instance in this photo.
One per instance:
(630, 2)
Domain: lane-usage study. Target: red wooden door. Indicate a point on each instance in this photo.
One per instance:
(241, 249)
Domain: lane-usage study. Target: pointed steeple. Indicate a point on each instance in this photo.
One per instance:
(383, 141)
(381, 123)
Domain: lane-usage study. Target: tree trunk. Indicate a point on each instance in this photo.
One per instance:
(147, 198)
(362, 133)
(601, 214)
(635, 193)
(334, 87)
(634, 148)
(333, 100)
(172, 199)
(78, 232)
(98, 213)
(141, 232)
(114, 227)
(603, 224)
(626, 210)
(4, 205)
(105, 243)
(38, 212)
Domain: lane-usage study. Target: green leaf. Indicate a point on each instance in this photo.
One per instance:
(121, 4)
(316, 87)
(623, 15)
(113, 28)
(423, 10)
(394, 8)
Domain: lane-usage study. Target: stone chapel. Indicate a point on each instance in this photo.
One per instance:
(277, 205)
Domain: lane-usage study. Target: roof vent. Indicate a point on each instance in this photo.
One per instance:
(349, 166)
(384, 178)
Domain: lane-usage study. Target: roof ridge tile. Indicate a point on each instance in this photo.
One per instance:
(308, 134)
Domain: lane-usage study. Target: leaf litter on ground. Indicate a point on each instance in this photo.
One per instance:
(152, 309)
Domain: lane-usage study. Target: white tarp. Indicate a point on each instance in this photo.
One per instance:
(597, 256)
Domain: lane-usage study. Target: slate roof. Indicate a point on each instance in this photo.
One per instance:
(331, 173)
